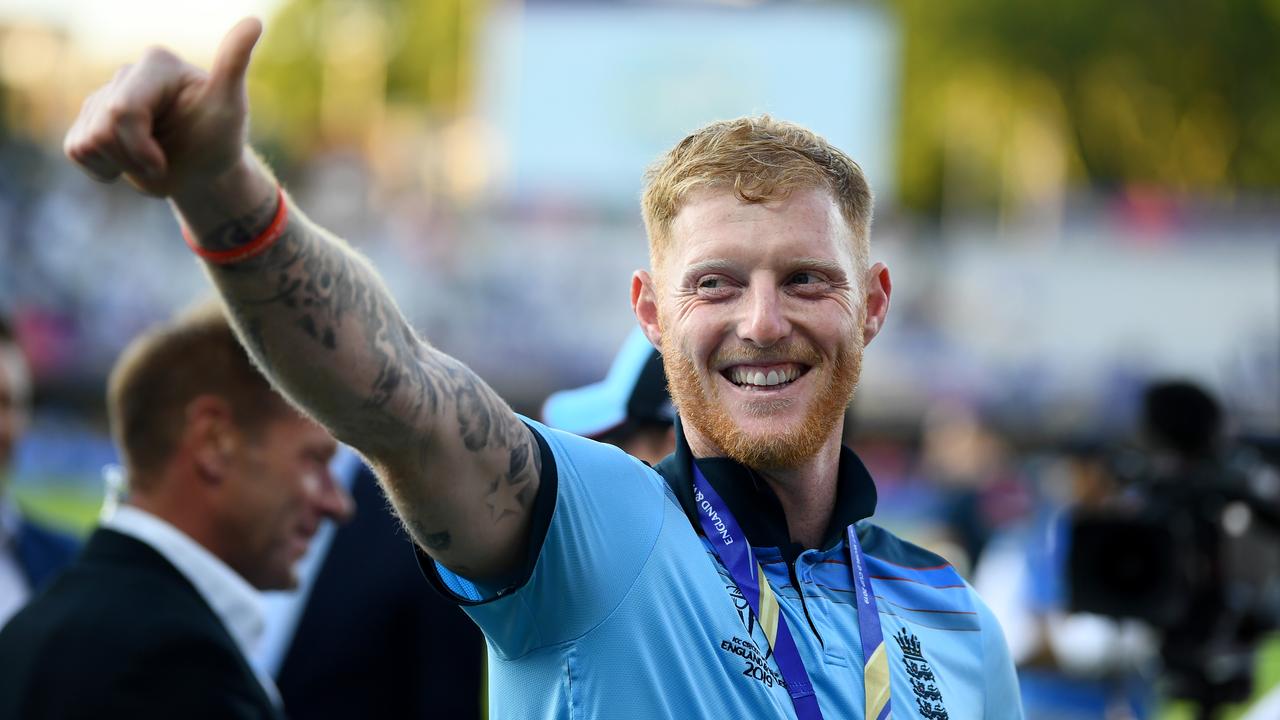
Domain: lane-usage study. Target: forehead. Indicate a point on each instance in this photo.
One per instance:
(715, 223)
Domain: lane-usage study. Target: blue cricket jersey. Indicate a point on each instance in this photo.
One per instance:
(626, 613)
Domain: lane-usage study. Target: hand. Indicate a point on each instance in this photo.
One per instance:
(165, 124)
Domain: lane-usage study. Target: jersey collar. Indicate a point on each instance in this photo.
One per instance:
(753, 502)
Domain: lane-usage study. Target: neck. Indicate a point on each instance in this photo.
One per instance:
(807, 492)
(179, 512)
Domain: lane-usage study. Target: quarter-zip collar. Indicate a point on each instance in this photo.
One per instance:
(754, 504)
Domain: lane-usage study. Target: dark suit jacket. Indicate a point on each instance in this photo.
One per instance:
(375, 641)
(122, 634)
(42, 551)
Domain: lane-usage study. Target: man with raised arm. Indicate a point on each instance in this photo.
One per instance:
(737, 579)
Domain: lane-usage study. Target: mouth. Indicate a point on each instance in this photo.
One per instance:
(764, 378)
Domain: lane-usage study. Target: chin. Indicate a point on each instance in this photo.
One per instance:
(289, 580)
(282, 580)
(776, 449)
(281, 584)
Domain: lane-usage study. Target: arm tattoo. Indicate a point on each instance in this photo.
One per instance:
(431, 540)
(512, 494)
(234, 233)
(317, 287)
(358, 366)
(437, 541)
(321, 286)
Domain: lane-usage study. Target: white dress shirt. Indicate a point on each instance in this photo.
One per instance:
(236, 603)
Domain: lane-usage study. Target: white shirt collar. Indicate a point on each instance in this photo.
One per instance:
(232, 598)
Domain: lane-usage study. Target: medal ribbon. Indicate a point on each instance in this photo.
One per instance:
(875, 663)
(730, 544)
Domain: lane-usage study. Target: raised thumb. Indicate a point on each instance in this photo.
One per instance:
(231, 64)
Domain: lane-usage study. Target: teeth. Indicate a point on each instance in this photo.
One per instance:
(757, 378)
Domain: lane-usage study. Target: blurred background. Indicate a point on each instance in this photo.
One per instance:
(1075, 198)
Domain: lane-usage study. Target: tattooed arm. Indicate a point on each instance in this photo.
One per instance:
(460, 467)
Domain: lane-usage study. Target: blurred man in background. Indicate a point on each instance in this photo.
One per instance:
(363, 636)
(227, 484)
(30, 553)
(630, 408)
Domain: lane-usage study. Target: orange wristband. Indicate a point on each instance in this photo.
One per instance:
(254, 247)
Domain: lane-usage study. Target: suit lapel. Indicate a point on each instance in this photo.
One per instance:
(119, 552)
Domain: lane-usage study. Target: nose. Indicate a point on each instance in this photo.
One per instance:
(763, 321)
(335, 502)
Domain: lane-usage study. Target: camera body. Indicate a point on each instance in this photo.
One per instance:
(1191, 546)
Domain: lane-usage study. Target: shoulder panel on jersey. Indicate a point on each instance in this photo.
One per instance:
(883, 545)
(913, 581)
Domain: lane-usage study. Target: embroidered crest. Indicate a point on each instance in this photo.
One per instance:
(920, 674)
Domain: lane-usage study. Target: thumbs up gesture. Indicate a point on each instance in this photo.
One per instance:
(165, 124)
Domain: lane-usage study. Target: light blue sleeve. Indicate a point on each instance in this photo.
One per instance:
(608, 513)
(1003, 697)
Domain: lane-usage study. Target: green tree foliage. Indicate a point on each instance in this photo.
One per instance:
(1003, 100)
(418, 53)
(1181, 94)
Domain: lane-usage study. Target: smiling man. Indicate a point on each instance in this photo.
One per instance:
(227, 485)
(740, 578)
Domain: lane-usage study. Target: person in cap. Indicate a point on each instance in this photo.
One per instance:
(630, 408)
(739, 578)
(227, 483)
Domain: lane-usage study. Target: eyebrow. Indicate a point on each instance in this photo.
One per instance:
(705, 266)
(829, 267)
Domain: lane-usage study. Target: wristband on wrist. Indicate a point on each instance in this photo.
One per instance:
(254, 247)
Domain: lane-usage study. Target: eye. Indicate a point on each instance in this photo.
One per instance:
(714, 285)
(806, 283)
(808, 280)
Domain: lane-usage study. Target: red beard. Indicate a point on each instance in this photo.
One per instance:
(702, 408)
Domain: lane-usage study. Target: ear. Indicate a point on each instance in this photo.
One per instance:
(209, 437)
(644, 302)
(879, 288)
